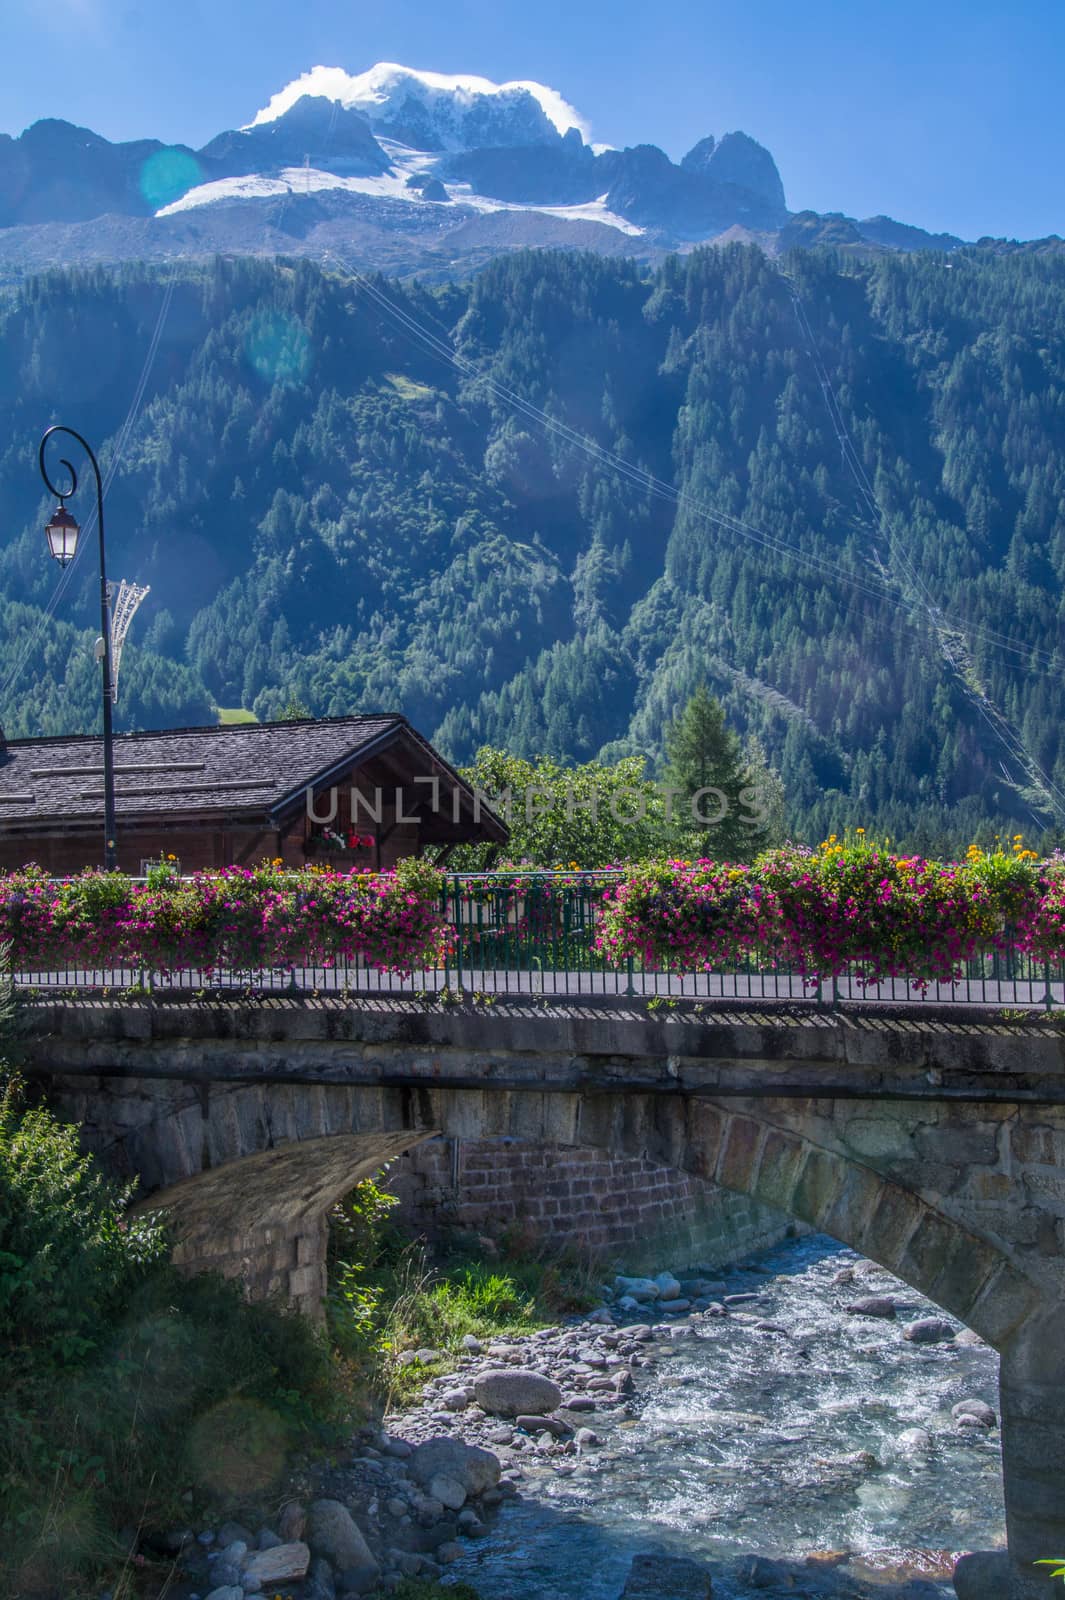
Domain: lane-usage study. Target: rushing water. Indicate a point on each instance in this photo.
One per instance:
(738, 1444)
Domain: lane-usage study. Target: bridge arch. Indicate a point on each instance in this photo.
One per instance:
(251, 1164)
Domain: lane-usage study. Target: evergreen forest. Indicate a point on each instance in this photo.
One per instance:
(539, 510)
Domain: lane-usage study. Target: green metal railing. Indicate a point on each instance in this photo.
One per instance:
(534, 934)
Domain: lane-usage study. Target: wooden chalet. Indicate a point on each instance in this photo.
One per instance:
(345, 790)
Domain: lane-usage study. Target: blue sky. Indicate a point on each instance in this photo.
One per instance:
(939, 113)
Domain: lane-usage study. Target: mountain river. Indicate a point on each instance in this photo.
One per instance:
(798, 1438)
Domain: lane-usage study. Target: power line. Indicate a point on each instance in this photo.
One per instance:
(657, 487)
(995, 719)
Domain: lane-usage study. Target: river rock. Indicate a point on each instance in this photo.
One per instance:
(872, 1305)
(332, 1533)
(555, 1425)
(587, 1438)
(228, 1591)
(637, 1288)
(928, 1330)
(455, 1399)
(475, 1469)
(506, 1393)
(449, 1491)
(292, 1523)
(968, 1340)
(471, 1344)
(914, 1440)
(319, 1584)
(230, 1532)
(653, 1576)
(668, 1286)
(987, 1575)
(979, 1410)
(281, 1564)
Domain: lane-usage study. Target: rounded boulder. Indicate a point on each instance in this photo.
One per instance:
(475, 1469)
(511, 1392)
(332, 1532)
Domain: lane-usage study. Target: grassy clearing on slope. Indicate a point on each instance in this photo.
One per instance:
(231, 716)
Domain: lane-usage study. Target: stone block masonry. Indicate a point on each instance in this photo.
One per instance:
(628, 1211)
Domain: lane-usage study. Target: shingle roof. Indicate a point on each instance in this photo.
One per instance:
(248, 768)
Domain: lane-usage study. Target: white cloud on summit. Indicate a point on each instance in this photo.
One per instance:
(367, 90)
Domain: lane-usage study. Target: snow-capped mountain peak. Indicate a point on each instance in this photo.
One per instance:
(435, 110)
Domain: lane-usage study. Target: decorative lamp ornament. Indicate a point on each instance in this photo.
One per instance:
(62, 535)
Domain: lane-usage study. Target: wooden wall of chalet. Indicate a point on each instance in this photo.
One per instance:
(196, 848)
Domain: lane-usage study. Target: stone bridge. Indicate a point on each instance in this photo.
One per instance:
(935, 1147)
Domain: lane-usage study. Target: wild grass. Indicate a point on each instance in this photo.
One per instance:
(392, 1293)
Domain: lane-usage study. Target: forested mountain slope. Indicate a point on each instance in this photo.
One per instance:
(835, 493)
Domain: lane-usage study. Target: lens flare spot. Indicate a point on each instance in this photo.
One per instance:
(239, 1448)
(167, 175)
(278, 348)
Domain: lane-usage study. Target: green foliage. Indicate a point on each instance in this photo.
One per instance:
(593, 815)
(388, 1294)
(294, 710)
(359, 1240)
(69, 1257)
(124, 1384)
(425, 1589)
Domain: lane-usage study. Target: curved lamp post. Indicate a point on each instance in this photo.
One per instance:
(62, 535)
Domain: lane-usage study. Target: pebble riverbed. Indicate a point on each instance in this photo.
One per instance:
(752, 1422)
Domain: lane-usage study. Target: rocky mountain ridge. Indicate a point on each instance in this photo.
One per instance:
(403, 170)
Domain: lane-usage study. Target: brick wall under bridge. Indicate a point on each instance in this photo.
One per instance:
(936, 1148)
(633, 1214)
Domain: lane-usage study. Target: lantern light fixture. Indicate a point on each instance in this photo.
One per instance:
(62, 535)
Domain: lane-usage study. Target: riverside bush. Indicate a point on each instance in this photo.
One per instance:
(241, 918)
(125, 1385)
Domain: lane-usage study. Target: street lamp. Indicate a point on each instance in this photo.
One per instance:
(62, 535)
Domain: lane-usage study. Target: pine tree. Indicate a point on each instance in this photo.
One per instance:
(716, 808)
